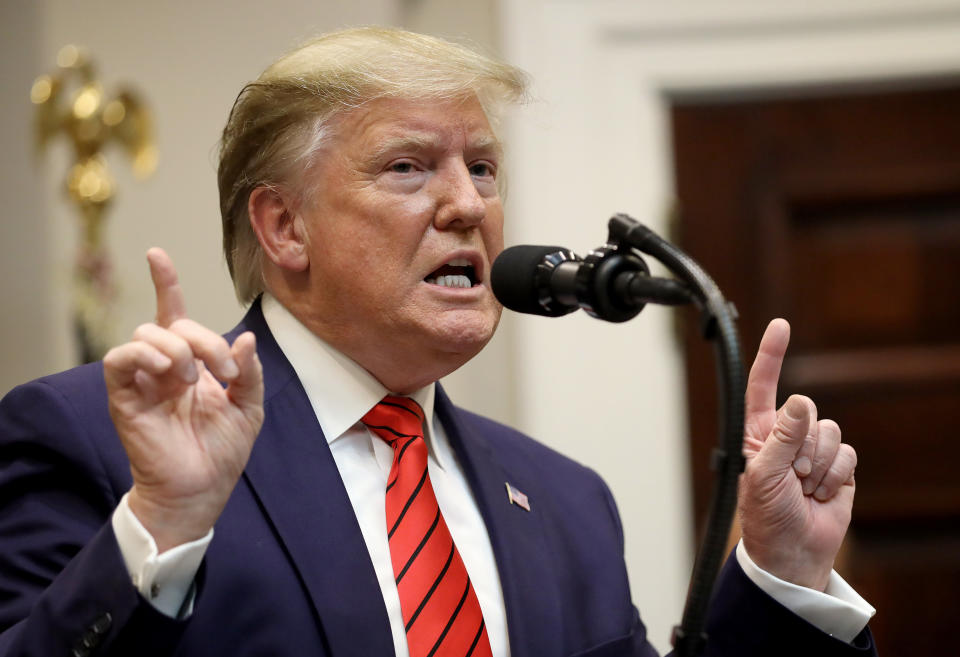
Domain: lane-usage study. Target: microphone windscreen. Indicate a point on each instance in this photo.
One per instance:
(514, 278)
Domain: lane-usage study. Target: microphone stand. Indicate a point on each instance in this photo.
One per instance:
(615, 267)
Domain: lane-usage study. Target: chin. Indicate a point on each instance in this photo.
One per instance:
(465, 336)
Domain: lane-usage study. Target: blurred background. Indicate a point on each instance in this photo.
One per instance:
(807, 153)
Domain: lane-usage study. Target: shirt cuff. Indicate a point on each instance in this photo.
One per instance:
(166, 580)
(839, 611)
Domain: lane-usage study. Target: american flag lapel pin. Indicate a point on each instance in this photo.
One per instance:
(518, 498)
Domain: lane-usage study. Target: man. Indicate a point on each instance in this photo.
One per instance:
(165, 513)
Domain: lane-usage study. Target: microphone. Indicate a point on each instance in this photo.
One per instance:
(552, 281)
(537, 280)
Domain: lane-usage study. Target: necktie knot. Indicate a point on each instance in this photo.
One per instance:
(395, 418)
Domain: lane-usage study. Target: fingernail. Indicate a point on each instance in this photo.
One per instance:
(821, 493)
(190, 372)
(808, 486)
(794, 408)
(230, 369)
(803, 466)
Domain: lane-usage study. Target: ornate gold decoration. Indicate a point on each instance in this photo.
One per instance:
(72, 102)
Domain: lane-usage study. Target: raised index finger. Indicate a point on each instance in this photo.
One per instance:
(170, 303)
(761, 395)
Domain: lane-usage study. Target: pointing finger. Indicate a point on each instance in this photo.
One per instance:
(170, 302)
(761, 394)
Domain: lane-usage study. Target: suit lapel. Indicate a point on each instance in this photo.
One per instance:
(529, 588)
(296, 481)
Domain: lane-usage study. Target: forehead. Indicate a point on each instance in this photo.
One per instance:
(386, 123)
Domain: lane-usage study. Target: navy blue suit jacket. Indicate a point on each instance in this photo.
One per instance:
(287, 573)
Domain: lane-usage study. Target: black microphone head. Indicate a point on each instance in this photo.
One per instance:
(517, 278)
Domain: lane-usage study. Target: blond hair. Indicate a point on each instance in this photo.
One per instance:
(280, 121)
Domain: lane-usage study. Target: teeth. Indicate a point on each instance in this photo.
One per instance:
(459, 262)
(455, 280)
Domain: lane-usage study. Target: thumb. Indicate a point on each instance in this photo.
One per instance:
(785, 440)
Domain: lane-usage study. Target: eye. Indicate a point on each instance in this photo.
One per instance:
(483, 169)
(401, 166)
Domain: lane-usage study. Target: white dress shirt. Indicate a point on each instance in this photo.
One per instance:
(341, 392)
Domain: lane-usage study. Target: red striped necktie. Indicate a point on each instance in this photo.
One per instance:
(441, 612)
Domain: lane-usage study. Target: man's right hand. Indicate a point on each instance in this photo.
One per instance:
(187, 437)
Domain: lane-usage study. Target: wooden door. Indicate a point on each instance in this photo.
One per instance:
(840, 211)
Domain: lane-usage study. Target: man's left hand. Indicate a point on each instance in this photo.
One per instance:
(796, 494)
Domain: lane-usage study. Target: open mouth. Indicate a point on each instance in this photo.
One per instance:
(456, 273)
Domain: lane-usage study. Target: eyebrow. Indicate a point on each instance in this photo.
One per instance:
(402, 143)
(488, 143)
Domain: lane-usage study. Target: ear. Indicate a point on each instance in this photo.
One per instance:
(279, 229)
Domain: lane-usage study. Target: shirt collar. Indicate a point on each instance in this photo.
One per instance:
(339, 389)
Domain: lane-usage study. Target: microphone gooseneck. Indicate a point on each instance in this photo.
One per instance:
(613, 283)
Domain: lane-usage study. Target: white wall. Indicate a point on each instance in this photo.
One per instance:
(26, 323)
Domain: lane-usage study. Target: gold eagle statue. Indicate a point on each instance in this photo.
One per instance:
(71, 102)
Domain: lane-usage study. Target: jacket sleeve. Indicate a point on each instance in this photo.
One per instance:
(743, 621)
(64, 589)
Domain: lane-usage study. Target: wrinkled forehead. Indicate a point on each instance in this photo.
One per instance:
(388, 124)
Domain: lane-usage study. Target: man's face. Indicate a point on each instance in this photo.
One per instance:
(403, 220)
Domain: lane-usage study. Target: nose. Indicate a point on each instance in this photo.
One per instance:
(460, 203)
